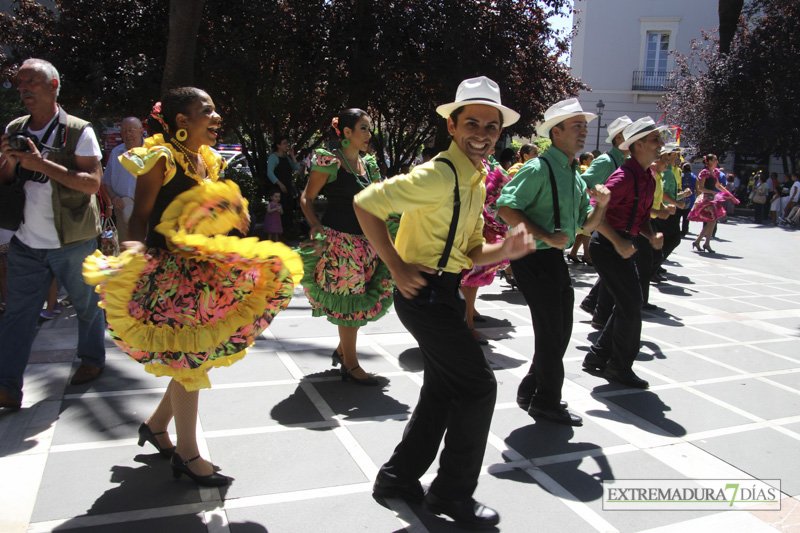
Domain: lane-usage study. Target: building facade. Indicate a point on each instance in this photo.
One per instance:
(621, 51)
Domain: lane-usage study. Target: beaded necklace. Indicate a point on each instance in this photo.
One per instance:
(354, 173)
(190, 157)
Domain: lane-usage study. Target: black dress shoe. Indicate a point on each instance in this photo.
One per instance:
(598, 325)
(386, 488)
(524, 403)
(464, 512)
(179, 466)
(8, 402)
(559, 415)
(628, 378)
(583, 306)
(593, 363)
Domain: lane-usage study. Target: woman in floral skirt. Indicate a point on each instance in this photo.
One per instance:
(343, 277)
(184, 297)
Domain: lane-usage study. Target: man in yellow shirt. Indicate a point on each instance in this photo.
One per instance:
(440, 234)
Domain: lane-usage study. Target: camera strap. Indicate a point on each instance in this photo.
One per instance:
(59, 121)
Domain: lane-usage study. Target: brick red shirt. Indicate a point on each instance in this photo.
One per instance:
(621, 185)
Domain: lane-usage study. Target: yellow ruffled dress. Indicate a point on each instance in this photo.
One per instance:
(203, 300)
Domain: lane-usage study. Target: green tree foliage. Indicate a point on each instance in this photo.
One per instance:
(110, 55)
(745, 100)
(289, 67)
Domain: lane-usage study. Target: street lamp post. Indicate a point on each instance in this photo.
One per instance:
(600, 107)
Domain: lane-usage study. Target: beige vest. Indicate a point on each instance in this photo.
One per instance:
(76, 214)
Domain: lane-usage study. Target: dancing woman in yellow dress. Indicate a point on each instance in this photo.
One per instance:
(184, 297)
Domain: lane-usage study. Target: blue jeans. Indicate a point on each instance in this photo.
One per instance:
(30, 273)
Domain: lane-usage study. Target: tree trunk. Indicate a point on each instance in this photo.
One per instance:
(729, 13)
(184, 22)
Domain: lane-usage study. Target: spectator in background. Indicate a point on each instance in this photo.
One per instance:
(526, 153)
(50, 244)
(688, 182)
(280, 167)
(794, 197)
(760, 198)
(506, 158)
(119, 184)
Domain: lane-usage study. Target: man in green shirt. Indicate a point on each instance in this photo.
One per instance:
(548, 197)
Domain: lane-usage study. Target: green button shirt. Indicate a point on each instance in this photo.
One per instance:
(530, 192)
(603, 166)
(670, 181)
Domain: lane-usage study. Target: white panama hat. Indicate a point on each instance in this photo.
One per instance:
(641, 128)
(617, 126)
(480, 91)
(671, 147)
(559, 112)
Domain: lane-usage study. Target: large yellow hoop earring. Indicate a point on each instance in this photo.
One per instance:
(181, 135)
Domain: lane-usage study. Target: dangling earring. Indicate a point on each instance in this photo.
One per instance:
(181, 135)
(345, 143)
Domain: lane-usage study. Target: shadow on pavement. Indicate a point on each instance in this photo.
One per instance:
(545, 438)
(645, 405)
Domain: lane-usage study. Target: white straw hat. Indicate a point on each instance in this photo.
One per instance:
(617, 126)
(671, 147)
(641, 128)
(481, 91)
(562, 111)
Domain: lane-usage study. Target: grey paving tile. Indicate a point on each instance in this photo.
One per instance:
(678, 412)
(408, 355)
(727, 305)
(257, 365)
(775, 304)
(685, 338)
(681, 367)
(184, 523)
(790, 380)
(269, 463)
(583, 479)
(756, 397)
(320, 514)
(396, 397)
(543, 438)
(105, 418)
(55, 339)
(121, 373)
(110, 480)
(300, 327)
(762, 453)
(317, 361)
(251, 407)
(747, 358)
(788, 348)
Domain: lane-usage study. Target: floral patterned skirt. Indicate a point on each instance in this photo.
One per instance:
(481, 276)
(708, 208)
(344, 279)
(183, 312)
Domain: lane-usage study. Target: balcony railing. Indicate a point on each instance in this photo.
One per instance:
(651, 80)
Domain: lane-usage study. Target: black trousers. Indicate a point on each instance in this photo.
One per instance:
(671, 228)
(683, 214)
(543, 278)
(457, 397)
(618, 343)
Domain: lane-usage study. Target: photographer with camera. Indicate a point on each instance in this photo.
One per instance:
(57, 157)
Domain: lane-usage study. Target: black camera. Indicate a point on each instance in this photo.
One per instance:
(19, 141)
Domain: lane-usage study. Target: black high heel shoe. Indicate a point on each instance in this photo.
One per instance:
(708, 249)
(146, 435)
(336, 359)
(347, 373)
(574, 259)
(696, 245)
(179, 466)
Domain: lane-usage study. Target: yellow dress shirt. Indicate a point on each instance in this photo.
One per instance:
(658, 196)
(425, 197)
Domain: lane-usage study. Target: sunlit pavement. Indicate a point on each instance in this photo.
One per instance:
(722, 355)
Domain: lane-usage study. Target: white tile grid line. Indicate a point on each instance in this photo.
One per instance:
(519, 461)
(86, 521)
